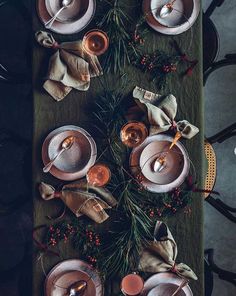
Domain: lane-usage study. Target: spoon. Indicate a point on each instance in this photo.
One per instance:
(65, 145)
(166, 9)
(65, 4)
(159, 163)
(77, 289)
(183, 284)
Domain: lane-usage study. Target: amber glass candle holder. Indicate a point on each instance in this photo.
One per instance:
(132, 285)
(99, 175)
(95, 42)
(133, 133)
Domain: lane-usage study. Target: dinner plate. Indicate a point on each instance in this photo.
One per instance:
(68, 272)
(148, 5)
(173, 166)
(76, 24)
(75, 167)
(164, 278)
(181, 13)
(149, 185)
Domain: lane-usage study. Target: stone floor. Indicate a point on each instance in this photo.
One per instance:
(220, 111)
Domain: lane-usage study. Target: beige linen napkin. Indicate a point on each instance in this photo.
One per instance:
(160, 255)
(81, 201)
(69, 67)
(161, 113)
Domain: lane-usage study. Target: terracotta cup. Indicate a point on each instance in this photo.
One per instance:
(132, 285)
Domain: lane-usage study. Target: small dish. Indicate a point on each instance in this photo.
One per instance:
(68, 272)
(73, 171)
(181, 13)
(78, 21)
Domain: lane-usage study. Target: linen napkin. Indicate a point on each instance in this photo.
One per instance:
(161, 113)
(82, 199)
(69, 67)
(161, 253)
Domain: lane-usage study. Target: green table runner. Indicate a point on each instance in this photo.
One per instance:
(75, 108)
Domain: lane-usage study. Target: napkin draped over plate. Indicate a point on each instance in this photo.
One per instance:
(69, 67)
(82, 199)
(161, 113)
(161, 253)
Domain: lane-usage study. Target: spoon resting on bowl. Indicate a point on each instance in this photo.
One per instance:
(77, 289)
(167, 9)
(65, 145)
(159, 163)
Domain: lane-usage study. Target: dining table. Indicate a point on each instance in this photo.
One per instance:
(76, 108)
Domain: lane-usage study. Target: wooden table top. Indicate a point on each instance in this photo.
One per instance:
(49, 114)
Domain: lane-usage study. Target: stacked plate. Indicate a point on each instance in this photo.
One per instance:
(165, 283)
(182, 17)
(69, 272)
(75, 162)
(72, 19)
(176, 167)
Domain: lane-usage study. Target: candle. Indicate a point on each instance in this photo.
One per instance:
(99, 175)
(132, 285)
(133, 133)
(95, 42)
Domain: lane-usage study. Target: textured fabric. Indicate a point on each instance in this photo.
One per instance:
(161, 113)
(69, 67)
(79, 201)
(161, 254)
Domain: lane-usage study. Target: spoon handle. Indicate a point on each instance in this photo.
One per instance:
(48, 166)
(183, 284)
(51, 21)
(178, 135)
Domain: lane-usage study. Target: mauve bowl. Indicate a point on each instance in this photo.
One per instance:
(165, 289)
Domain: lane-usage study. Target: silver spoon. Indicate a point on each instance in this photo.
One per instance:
(166, 9)
(65, 4)
(77, 289)
(65, 145)
(159, 163)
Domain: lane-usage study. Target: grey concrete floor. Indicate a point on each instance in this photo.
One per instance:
(220, 111)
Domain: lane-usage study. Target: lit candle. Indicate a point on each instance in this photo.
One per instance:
(99, 175)
(95, 42)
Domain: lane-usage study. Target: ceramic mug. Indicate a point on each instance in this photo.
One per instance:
(132, 285)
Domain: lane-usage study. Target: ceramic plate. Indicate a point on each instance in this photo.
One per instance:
(78, 19)
(165, 289)
(148, 5)
(164, 278)
(174, 162)
(149, 185)
(70, 166)
(68, 272)
(181, 13)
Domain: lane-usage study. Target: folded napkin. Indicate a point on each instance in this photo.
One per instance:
(69, 67)
(82, 199)
(161, 113)
(161, 253)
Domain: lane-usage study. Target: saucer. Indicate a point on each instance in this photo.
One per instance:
(146, 183)
(74, 163)
(164, 278)
(148, 5)
(174, 162)
(181, 13)
(67, 272)
(78, 19)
